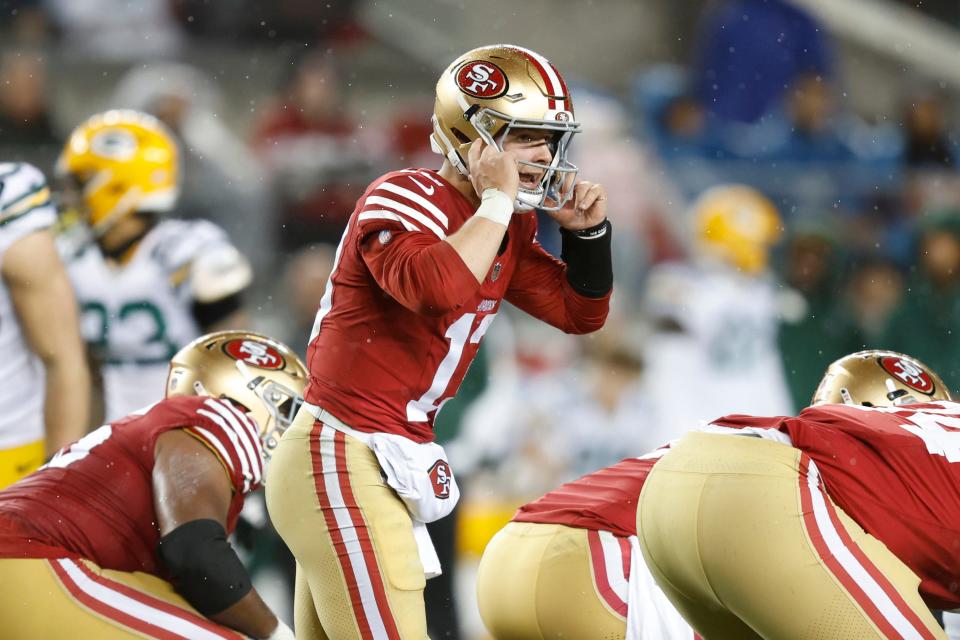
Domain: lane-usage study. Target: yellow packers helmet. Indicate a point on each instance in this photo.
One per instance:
(879, 378)
(486, 92)
(264, 376)
(121, 162)
(737, 224)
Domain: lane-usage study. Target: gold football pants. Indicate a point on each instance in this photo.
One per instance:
(547, 581)
(66, 598)
(20, 461)
(359, 573)
(741, 536)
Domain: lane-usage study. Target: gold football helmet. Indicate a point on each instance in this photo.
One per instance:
(486, 92)
(879, 378)
(264, 376)
(737, 224)
(120, 162)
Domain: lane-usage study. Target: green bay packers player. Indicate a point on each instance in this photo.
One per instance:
(716, 317)
(44, 400)
(146, 285)
(426, 261)
(123, 533)
(839, 524)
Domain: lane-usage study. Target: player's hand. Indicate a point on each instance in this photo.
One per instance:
(587, 208)
(491, 168)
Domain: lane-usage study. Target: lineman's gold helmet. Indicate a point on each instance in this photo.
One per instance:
(879, 378)
(737, 224)
(264, 376)
(121, 162)
(489, 90)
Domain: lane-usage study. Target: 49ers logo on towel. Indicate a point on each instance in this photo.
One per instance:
(441, 475)
(908, 373)
(482, 79)
(254, 353)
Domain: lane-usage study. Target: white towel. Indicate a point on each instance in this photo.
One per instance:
(650, 615)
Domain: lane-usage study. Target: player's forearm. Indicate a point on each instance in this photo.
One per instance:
(67, 402)
(250, 615)
(479, 239)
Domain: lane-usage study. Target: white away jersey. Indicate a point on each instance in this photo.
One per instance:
(136, 316)
(25, 207)
(724, 352)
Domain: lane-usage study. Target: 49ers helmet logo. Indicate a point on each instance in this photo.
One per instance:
(909, 374)
(441, 475)
(482, 79)
(254, 353)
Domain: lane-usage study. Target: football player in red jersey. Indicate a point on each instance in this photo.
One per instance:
(123, 533)
(568, 564)
(841, 523)
(425, 262)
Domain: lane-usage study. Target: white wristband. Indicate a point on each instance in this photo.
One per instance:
(495, 206)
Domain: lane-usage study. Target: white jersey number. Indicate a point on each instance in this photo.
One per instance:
(458, 334)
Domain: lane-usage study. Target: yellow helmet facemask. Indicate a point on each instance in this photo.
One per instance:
(120, 162)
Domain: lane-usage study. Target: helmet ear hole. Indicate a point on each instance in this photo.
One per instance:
(460, 135)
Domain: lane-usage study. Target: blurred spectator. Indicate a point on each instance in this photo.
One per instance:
(750, 51)
(875, 290)
(117, 31)
(26, 129)
(310, 146)
(25, 21)
(926, 325)
(813, 333)
(304, 282)
(810, 108)
(928, 143)
(222, 180)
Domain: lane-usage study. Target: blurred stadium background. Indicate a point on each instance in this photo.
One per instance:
(842, 113)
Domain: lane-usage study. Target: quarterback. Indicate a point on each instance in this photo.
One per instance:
(123, 533)
(146, 285)
(569, 564)
(424, 264)
(44, 402)
(840, 523)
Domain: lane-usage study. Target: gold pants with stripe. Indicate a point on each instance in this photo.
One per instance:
(67, 598)
(359, 573)
(19, 462)
(540, 581)
(741, 536)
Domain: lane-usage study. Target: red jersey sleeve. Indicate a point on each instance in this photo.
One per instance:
(422, 273)
(402, 221)
(234, 438)
(539, 287)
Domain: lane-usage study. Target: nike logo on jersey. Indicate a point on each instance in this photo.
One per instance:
(427, 190)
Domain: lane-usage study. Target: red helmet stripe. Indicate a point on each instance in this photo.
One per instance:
(551, 78)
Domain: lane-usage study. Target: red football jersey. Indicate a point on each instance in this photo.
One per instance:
(896, 472)
(605, 500)
(402, 316)
(94, 499)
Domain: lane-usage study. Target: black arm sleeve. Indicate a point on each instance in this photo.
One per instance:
(203, 566)
(209, 313)
(589, 263)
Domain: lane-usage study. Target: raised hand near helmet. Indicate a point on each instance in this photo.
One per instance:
(587, 207)
(491, 168)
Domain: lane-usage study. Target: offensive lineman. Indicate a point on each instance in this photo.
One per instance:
(44, 402)
(569, 565)
(123, 533)
(146, 285)
(424, 264)
(842, 523)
